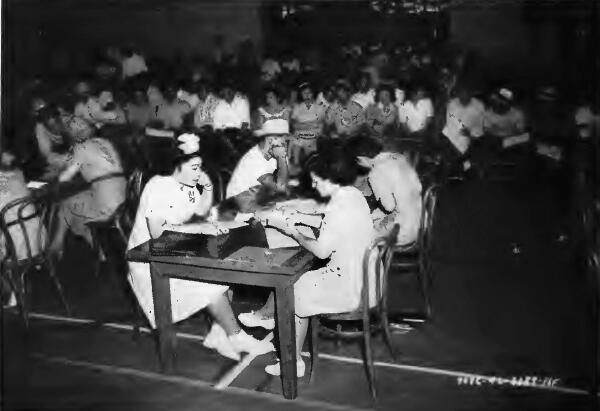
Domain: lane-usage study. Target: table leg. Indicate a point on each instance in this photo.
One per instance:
(286, 326)
(161, 293)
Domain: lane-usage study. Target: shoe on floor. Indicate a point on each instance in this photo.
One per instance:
(253, 319)
(275, 369)
(217, 340)
(243, 342)
(12, 301)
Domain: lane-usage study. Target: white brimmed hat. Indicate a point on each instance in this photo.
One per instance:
(275, 127)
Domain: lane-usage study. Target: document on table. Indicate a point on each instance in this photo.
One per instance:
(209, 228)
(260, 255)
(513, 141)
(36, 184)
(276, 239)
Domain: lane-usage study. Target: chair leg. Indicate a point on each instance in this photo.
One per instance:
(52, 272)
(387, 334)
(338, 340)
(368, 358)
(314, 347)
(423, 278)
(21, 295)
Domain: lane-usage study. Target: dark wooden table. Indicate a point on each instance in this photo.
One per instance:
(208, 259)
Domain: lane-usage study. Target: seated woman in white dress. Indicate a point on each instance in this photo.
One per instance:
(273, 108)
(168, 203)
(345, 233)
(394, 185)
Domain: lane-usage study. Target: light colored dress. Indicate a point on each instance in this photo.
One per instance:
(308, 125)
(12, 187)
(165, 198)
(396, 185)
(97, 160)
(337, 287)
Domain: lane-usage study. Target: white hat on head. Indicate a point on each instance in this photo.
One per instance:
(273, 127)
(190, 143)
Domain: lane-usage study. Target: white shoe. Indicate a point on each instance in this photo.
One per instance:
(12, 301)
(243, 342)
(275, 369)
(217, 340)
(253, 319)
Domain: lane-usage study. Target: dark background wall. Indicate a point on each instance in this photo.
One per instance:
(44, 31)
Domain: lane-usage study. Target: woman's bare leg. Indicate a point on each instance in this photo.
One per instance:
(301, 330)
(268, 309)
(223, 315)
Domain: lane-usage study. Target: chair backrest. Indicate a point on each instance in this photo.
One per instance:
(377, 259)
(428, 208)
(135, 185)
(22, 229)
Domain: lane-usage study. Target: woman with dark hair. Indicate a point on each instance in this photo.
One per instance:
(307, 122)
(273, 107)
(382, 117)
(169, 202)
(337, 286)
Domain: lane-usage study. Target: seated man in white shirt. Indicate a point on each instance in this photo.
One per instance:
(504, 121)
(415, 114)
(260, 164)
(132, 63)
(233, 111)
(464, 123)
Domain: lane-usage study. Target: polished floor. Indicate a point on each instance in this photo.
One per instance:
(509, 301)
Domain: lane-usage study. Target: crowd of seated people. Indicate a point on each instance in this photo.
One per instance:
(349, 123)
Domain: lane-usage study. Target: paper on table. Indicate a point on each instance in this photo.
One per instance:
(513, 141)
(36, 184)
(276, 239)
(260, 255)
(212, 228)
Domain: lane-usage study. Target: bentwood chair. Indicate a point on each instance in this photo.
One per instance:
(119, 226)
(371, 314)
(415, 258)
(23, 225)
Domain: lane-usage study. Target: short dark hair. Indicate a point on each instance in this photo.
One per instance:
(386, 87)
(335, 164)
(363, 145)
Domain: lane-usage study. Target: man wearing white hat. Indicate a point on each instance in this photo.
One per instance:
(259, 165)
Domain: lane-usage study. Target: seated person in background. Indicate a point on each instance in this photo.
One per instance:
(232, 111)
(171, 112)
(326, 96)
(139, 110)
(587, 119)
(97, 106)
(205, 110)
(307, 122)
(98, 163)
(259, 165)
(415, 114)
(365, 96)
(464, 123)
(382, 116)
(503, 121)
(272, 109)
(344, 118)
(345, 233)
(549, 120)
(168, 203)
(49, 134)
(395, 187)
(132, 63)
